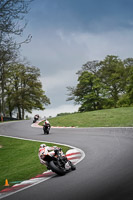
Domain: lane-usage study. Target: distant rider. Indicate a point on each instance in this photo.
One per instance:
(36, 117)
(47, 123)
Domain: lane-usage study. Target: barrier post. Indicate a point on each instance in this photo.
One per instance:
(1, 118)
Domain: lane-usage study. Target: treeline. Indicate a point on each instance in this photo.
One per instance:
(23, 90)
(104, 84)
(20, 87)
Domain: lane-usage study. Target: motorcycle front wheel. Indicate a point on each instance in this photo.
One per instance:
(46, 131)
(55, 168)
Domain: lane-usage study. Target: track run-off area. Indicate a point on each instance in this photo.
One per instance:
(106, 172)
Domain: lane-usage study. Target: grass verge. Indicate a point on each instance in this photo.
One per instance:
(19, 159)
(117, 117)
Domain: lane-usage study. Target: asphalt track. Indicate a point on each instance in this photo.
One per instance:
(106, 172)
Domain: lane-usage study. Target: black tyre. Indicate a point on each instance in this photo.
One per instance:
(46, 132)
(56, 169)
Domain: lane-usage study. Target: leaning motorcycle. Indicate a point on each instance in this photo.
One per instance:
(36, 117)
(46, 127)
(58, 162)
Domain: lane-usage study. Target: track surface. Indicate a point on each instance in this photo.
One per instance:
(106, 173)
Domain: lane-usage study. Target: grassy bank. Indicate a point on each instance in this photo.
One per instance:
(118, 117)
(19, 160)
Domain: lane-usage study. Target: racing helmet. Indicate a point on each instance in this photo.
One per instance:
(43, 145)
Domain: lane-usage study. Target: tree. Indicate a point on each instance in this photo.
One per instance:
(90, 66)
(112, 75)
(24, 90)
(8, 53)
(12, 12)
(104, 84)
(128, 63)
(87, 92)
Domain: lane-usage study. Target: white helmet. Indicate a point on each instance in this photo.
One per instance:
(43, 145)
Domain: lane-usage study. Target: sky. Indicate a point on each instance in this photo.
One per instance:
(67, 34)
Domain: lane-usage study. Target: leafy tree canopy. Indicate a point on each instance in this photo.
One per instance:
(104, 84)
(24, 90)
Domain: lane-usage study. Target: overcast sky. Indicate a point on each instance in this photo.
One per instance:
(68, 33)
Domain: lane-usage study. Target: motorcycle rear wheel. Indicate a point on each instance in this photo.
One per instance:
(56, 169)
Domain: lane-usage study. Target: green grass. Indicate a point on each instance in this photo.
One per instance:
(19, 159)
(117, 117)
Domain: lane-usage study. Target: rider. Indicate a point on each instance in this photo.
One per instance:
(44, 147)
(46, 122)
(36, 117)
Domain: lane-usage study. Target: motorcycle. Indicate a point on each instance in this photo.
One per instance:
(58, 162)
(36, 117)
(46, 127)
